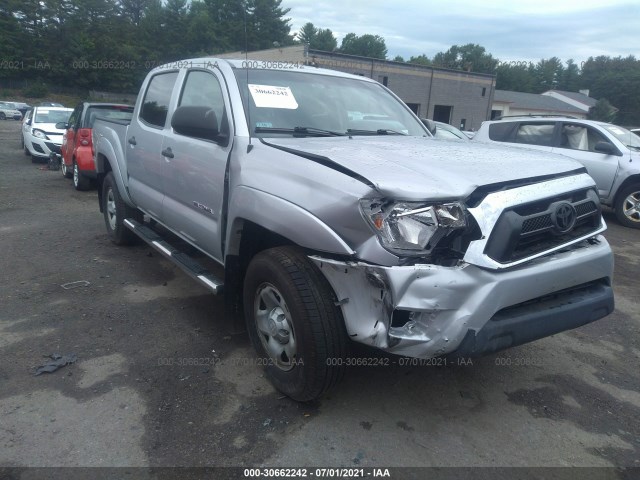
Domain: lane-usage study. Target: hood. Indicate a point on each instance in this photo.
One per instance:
(427, 168)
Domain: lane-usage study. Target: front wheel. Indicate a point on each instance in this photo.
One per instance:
(627, 206)
(294, 323)
(2, 116)
(116, 211)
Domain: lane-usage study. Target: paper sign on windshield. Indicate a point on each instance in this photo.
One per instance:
(267, 96)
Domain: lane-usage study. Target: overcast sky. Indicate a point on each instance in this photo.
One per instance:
(509, 30)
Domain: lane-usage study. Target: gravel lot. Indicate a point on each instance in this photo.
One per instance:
(158, 381)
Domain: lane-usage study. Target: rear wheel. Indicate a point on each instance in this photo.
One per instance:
(80, 182)
(66, 173)
(2, 116)
(294, 323)
(116, 211)
(627, 206)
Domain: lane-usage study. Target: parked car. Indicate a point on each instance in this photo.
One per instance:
(50, 104)
(610, 153)
(337, 218)
(8, 110)
(40, 136)
(77, 147)
(444, 130)
(22, 107)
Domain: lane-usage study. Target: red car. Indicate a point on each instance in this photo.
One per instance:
(77, 148)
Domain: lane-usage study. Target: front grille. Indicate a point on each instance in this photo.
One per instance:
(530, 229)
(53, 147)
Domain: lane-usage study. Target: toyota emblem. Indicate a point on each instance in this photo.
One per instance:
(564, 217)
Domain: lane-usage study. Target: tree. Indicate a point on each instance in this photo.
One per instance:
(470, 57)
(324, 40)
(421, 59)
(516, 76)
(602, 111)
(267, 25)
(398, 58)
(307, 33)
(548, 74)
(570, 79)
(367, 45)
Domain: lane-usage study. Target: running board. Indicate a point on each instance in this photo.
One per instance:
(181, 259)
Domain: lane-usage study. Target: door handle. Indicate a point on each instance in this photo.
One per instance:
(132, 141)
(167, 152)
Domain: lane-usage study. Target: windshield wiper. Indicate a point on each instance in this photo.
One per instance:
(300, 131)
(635, 147)
(380, 131)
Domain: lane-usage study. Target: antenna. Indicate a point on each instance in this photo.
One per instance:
(246, 66)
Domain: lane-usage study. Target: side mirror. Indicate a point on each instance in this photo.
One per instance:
(430, 124)
(29, 122)
(606, 147)
(196, 121)
(62, 125)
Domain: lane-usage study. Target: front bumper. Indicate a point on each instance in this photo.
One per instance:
(428, 310)
(40, 147)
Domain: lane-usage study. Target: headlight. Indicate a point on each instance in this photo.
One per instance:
(39, 134)
(408, 228)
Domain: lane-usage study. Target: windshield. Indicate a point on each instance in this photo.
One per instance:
(299, 104)
(52, 116)
(625, 136)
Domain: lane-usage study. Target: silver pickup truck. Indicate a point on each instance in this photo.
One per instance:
(336, 217)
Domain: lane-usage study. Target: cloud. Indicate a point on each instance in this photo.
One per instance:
(508, 30)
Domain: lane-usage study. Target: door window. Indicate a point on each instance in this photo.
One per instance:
(580, 137)
(535, 134)
(203, 89)
(156, 100)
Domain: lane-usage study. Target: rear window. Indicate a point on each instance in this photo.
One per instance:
(109, 112)
(501, 132)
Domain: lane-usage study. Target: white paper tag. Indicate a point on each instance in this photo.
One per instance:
(267, 96)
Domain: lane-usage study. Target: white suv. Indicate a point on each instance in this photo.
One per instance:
(610, 153)
(8, 110)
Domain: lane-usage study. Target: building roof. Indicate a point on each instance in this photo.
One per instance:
(577, 96)
(534, 101)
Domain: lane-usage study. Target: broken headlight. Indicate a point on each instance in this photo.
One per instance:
(412, 228)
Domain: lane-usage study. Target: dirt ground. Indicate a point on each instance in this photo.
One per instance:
(158, 382)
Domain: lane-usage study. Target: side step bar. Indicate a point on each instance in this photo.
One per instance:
(182, 260)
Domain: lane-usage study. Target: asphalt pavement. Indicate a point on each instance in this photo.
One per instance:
(158, 382)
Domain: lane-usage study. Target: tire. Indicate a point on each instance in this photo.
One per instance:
(65, 172)
(295, 302)
(116, 211)
(627, 206)
(80, 182)
(2, 116)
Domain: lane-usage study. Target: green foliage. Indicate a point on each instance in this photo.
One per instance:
(367, 45)
(602, 111)
(420, 60)
(36, 90)
(112, 44)
(317, 38)
(470, 57)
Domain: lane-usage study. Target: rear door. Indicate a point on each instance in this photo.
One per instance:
(143, 145)
(578, 141)
(69, 137)
(195, 169)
